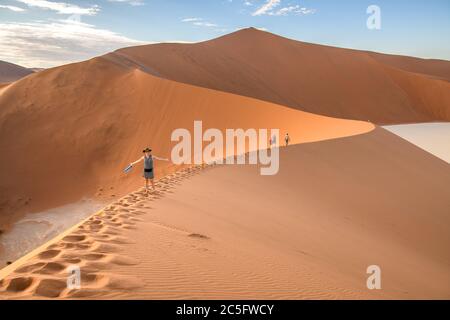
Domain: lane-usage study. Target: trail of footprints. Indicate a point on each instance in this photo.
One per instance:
(93, 246)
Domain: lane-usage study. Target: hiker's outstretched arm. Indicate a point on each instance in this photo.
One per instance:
(162, 159)
(137, 161)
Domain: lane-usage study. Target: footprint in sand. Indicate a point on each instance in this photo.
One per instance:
(124, 283)
(113, 224)
(30, 268)
(198, 236)
(19, 284)
(49, 254)
(51, 288)
(104, 248)
(93, 256)
(51, 268)
(72, 260)
(101, 237)
(93, 279)
(74, 238)
(138, 212)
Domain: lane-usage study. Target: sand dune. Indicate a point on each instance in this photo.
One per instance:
(349, 195)
(325, 80)
(81, 124)
(3, 86)
(309, 232)
(10, 72)
(437, 69)
(54, 114)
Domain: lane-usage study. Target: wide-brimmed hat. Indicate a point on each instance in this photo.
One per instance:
(147, 150)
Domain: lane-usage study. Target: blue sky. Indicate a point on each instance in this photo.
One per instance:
(45, 33)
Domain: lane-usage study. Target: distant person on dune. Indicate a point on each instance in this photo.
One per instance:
(148, 166)
(287, 139)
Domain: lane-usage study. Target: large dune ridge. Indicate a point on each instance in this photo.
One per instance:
(310, 232)
(344, 83)
(10, 72)
(67, 132)
(348, 194)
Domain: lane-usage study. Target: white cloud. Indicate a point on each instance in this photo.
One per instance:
(12, 8)
(61, 7)
(267, 7)
(52, 43)
(205, 24)
(191, 19)
(306, 11)
(199, 22)
(292, 9)
(130, 2)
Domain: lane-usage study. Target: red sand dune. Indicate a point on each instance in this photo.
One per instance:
(335, 207)
(310, 232)
(315, 78)
(68, 132)
(82, 122)
(437, 69)
(10, 72)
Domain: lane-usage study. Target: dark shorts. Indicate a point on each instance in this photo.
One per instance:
(148, 174)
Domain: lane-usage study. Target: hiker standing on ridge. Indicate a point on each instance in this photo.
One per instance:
(287, 139)
(148, 166)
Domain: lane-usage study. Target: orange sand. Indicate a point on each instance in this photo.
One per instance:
(336, 82)
(83, 123)
(309, 232)
(346, 197)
